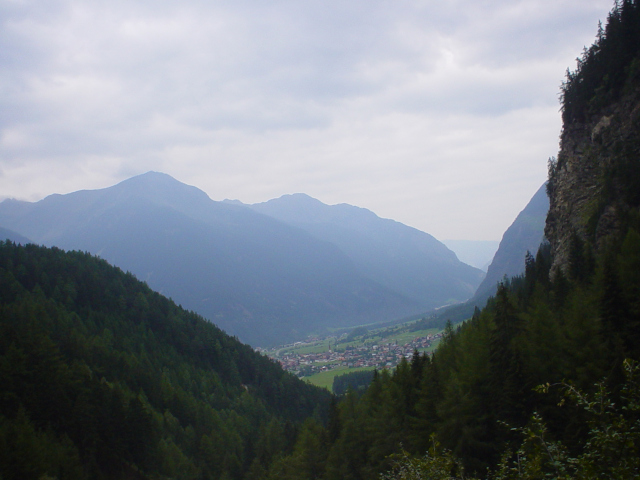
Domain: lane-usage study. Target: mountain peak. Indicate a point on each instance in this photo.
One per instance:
(397, 256)
(159, 187)
(301, 197)
(153, 179)
(300, 207)
(152, 175)
(298, 199)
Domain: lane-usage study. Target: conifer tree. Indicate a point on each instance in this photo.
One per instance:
(505, 363)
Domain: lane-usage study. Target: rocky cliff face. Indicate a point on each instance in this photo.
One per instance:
(593, 186)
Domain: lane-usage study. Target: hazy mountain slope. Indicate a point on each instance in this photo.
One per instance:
(477, 253)
(402, 258)
(259, 279)
(6, 234)
(526, 233)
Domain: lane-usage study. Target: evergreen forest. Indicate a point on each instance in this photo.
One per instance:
(104, 378)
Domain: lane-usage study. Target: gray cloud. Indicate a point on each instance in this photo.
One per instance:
(437, 114)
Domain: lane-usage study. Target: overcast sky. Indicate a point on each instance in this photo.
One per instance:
(440, 114)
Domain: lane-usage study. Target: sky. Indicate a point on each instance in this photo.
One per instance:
(438, 114)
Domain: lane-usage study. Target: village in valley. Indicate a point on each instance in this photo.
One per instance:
(379, 349)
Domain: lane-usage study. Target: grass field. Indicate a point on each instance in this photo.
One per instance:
(325, 379)
(403, 337)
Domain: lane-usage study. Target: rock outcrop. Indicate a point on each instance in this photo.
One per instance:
(593, 186)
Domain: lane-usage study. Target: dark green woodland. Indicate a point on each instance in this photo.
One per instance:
(104, 378)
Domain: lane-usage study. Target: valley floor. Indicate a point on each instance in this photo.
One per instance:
(328, 354)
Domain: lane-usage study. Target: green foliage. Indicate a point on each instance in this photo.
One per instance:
(476, 394)
(355, 380)
(607, 69)
(29, 453)
(435, 464)
(103, 377)
(536, 458)
(612, 443)
(356, 332)
(307, 461)
(610, 450)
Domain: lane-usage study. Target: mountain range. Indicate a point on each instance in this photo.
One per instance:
(267, 273)
(399, 257)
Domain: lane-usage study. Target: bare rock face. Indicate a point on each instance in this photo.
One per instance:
(594, 183)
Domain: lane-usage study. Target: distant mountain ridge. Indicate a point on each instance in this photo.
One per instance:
(526, 233)
(256, 277)
(399, 257)
(477, 253)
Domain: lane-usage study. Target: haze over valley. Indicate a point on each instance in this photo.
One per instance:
(268, 273)
(409, 278)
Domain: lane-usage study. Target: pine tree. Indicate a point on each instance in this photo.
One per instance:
(505, 362)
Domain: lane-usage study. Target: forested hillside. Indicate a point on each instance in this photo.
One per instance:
(104, 378)
(544, 381)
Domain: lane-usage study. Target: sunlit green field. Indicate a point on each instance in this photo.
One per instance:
(404, 337)
(325, 379)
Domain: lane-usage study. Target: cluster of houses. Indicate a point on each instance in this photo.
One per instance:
(382, 355)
